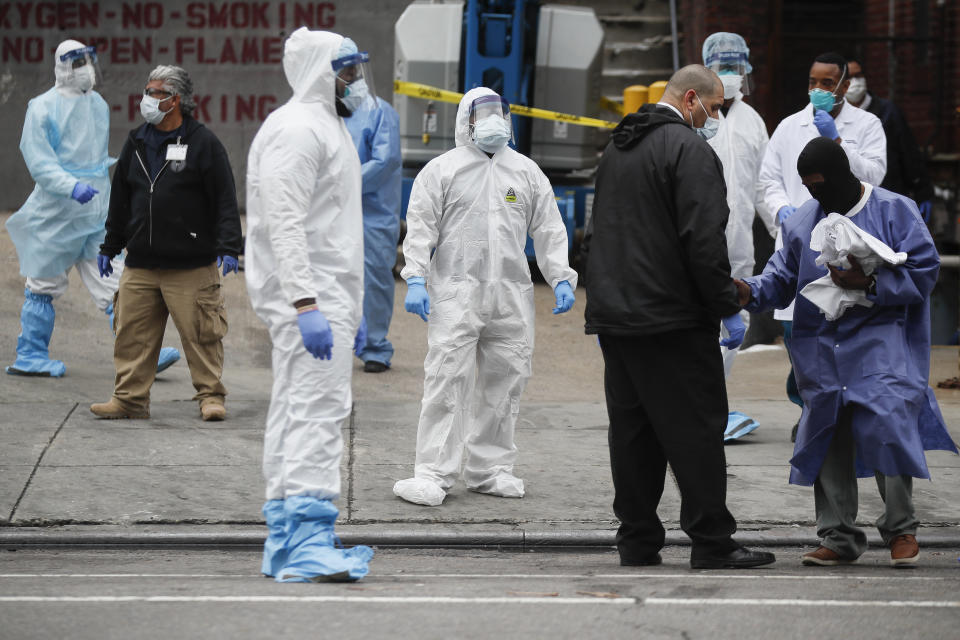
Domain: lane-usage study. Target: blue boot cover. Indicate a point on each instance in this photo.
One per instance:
(738, 425)
(36, 327)
(313, 555)
(168, 355)
(275, 548)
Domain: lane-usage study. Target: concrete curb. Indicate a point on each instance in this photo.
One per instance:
(252, 537)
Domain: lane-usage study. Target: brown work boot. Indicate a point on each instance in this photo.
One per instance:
(823, 557)
(113, 410)
(904, 551)
(212, 411)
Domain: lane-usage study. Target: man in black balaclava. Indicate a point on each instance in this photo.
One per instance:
(868, 409)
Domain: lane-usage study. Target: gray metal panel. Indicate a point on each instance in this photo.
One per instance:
(427, 52)
(567, 79)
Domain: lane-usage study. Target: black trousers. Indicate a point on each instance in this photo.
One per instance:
(667, 402)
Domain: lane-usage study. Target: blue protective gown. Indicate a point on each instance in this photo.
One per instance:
(64, 141)
(874, 359)
(376, 134)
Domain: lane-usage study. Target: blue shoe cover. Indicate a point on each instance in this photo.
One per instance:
(36, 327)
(168, 355)
(738, 425)
(313, 555)
(275, 548)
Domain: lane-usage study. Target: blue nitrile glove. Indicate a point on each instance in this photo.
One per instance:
(734, 326)
(104, 266)
(83, 192)
(229, 264)
(417, 300)
(925, 208)
(565, 297)
(826, 125)
(361, 339)
(316, 334)
(785, 212)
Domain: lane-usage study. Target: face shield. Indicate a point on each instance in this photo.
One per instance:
(490, 125)
(354, 80)
(734, 71)
(81, 67)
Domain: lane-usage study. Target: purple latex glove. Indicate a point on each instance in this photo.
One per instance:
(104, 266)
(83, 192)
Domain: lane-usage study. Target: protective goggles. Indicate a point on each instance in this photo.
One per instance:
(80, 57)
(351, 69)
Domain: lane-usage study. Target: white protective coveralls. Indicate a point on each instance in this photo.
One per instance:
(305, 240)
(477, 211)
(862, 137)
(740, 143)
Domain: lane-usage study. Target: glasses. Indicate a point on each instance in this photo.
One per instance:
(160, 94)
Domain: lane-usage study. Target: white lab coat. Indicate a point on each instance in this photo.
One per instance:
(862, 138)
(305, 240)
(476, 211)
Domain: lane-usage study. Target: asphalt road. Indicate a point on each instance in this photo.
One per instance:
(429, 593)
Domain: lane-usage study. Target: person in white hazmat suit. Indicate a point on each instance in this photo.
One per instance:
(475, 205)
(304, 274)
(739, 143)
(61, 225)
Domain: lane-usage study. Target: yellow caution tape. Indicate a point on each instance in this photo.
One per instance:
(425, 92)
(611, 105)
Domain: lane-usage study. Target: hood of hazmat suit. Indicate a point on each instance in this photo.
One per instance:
(305, 240)
(476, 211)
(64, 141)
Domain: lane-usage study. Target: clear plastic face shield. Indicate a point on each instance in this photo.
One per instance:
(354, 80)
(490, 125)
(734, 71)
(84, 70)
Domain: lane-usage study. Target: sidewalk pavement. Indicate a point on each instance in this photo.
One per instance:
(68, 478)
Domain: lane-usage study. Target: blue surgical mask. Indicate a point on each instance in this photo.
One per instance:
(823, 99)
(491, 134)
(710, 125)
(355, 95)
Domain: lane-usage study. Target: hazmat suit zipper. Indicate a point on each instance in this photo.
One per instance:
(152, 183)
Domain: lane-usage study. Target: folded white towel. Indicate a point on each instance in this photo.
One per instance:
(836, 237)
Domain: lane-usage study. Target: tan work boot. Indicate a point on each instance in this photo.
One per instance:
(213, 411)
(904, 551)
(823, 557)
(113, 410)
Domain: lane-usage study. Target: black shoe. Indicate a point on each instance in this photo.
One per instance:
(739, 558)
(372, 366)
(647, 561)
(793, 432)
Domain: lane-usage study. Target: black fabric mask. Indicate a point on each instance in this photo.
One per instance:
(840, 189)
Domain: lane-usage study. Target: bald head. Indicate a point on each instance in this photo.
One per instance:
(692, 86)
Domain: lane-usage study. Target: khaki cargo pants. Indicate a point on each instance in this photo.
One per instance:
(141, 306)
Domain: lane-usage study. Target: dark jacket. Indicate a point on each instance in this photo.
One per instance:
(655, 252)
(906, 166)
(190, 215)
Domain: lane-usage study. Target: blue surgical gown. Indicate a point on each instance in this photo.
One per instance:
(64, 141)
(376, 134)
(875, 360)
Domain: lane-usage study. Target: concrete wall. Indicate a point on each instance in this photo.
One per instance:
(232, 50)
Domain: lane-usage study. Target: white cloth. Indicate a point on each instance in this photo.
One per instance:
(477, 211)
(862, 138)
(305, 240)
(836, 237)
(101, 289)
(740, 143)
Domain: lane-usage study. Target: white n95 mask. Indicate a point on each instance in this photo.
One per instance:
(731, 85)
(150, 109)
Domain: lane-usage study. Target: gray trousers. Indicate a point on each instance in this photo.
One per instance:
(835, 496)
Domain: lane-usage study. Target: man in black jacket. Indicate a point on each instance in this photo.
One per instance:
(173, 207)
(906, 167)
(658, 284)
